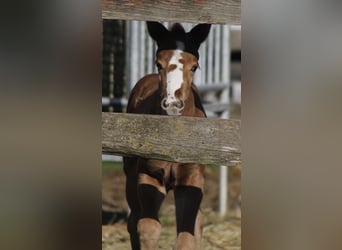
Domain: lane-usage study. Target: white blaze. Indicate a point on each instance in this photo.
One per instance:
(174, 77)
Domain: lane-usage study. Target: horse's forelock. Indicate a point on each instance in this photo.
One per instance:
(177, 30)
(178, 39)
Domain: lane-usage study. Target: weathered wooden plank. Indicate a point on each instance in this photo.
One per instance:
(176, 139)
(197, 11)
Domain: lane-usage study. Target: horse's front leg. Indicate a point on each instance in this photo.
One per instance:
(151, 195)
(188, 196)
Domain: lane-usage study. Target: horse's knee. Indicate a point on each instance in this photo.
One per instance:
(188, 200)
(186, 241)
(190, 175)
(150, 201)
(189, 217)
(149, 232)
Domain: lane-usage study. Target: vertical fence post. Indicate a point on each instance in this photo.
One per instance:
(119, 60)
(223, 190)
(225, 115)
(107, 60)
(128, 44)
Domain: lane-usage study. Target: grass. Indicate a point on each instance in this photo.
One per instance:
(114, 165)
(111, 166)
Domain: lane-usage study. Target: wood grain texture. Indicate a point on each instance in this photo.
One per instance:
(196, 11)
(176, 139)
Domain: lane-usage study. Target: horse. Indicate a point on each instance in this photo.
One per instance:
(170, 92)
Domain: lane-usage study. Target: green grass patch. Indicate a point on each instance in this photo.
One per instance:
(111, 165)
(114, 165)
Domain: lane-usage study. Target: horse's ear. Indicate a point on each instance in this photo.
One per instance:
(199, 33)
(157, 31)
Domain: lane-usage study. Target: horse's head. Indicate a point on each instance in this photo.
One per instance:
(177, 61)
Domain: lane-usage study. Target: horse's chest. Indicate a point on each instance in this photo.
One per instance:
(163, 171)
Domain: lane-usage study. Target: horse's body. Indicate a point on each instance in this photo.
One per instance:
(149, 180)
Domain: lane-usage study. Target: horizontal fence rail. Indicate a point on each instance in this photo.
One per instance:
(204, 11)
(176, 139)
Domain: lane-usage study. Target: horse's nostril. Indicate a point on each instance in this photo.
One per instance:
(164, 104)
(180, 104)
(176, 105)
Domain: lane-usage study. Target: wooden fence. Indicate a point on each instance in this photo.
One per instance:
(196, 11)
(176, 139)
(218, 139)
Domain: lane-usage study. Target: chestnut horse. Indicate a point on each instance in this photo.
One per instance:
(170, 92)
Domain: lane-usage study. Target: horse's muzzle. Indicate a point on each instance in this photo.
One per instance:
(172, 108)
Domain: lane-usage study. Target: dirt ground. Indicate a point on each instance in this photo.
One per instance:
(218, 232)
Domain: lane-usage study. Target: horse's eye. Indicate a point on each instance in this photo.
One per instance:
(159, 66)
(193, 69)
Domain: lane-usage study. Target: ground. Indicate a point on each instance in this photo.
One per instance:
(218, 232)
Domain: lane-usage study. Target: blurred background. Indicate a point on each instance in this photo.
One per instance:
(50, 95)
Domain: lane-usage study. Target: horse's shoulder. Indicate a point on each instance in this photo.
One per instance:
(148, 82)
(150, 77)
(143, 89)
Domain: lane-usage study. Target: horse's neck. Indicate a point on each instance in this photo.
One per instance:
(193, 106)
(144, 96)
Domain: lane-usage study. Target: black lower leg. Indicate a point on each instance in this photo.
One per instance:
(150, 201)
(188, 200)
